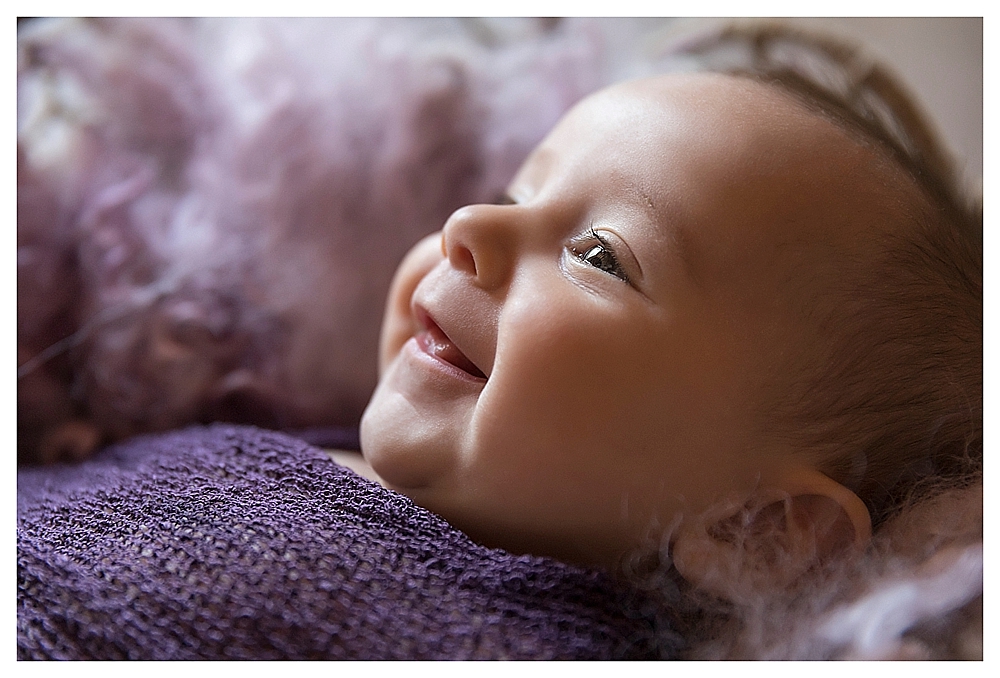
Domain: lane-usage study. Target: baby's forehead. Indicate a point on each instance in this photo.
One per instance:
(714, 129)
(709, 120)
(734, 108)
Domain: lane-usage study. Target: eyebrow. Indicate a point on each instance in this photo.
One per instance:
(675, 236)
(647, 201)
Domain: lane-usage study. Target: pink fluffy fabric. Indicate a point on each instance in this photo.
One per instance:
(210, 211)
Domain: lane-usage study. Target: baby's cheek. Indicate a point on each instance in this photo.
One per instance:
(569, 375)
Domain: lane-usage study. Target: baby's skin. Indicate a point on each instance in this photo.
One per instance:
(582, 370)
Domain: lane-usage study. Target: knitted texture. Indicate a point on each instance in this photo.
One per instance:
(236, 543)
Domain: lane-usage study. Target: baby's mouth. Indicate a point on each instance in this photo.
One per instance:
(434, 341)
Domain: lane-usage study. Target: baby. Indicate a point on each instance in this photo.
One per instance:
(715, 313)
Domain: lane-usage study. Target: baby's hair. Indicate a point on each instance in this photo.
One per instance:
(891, 405)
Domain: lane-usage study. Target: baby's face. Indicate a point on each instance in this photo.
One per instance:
(582, 368)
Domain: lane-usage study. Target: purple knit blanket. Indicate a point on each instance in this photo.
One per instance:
(231, 542)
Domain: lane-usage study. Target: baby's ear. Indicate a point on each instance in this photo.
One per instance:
(767, 543)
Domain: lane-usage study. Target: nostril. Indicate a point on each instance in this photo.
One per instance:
(462, 259)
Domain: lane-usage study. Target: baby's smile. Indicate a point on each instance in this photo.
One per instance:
(435, 342)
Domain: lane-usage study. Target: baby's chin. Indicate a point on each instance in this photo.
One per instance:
(387, 448)
(407, 450)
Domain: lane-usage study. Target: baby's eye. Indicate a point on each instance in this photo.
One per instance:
(598, 253)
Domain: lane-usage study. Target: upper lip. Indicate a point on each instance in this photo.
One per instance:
(427, 323)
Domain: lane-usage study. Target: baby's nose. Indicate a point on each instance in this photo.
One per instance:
(481, 240)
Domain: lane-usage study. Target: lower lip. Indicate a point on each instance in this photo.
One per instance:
(421, 344)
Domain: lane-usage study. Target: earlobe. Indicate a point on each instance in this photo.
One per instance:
(769, 541)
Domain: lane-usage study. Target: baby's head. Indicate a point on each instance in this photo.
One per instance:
(705, 295)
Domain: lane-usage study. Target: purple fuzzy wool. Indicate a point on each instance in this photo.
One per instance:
(236, 543)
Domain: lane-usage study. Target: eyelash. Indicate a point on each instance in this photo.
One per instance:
(583, 250)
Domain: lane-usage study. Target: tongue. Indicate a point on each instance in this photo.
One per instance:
(438, 344)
